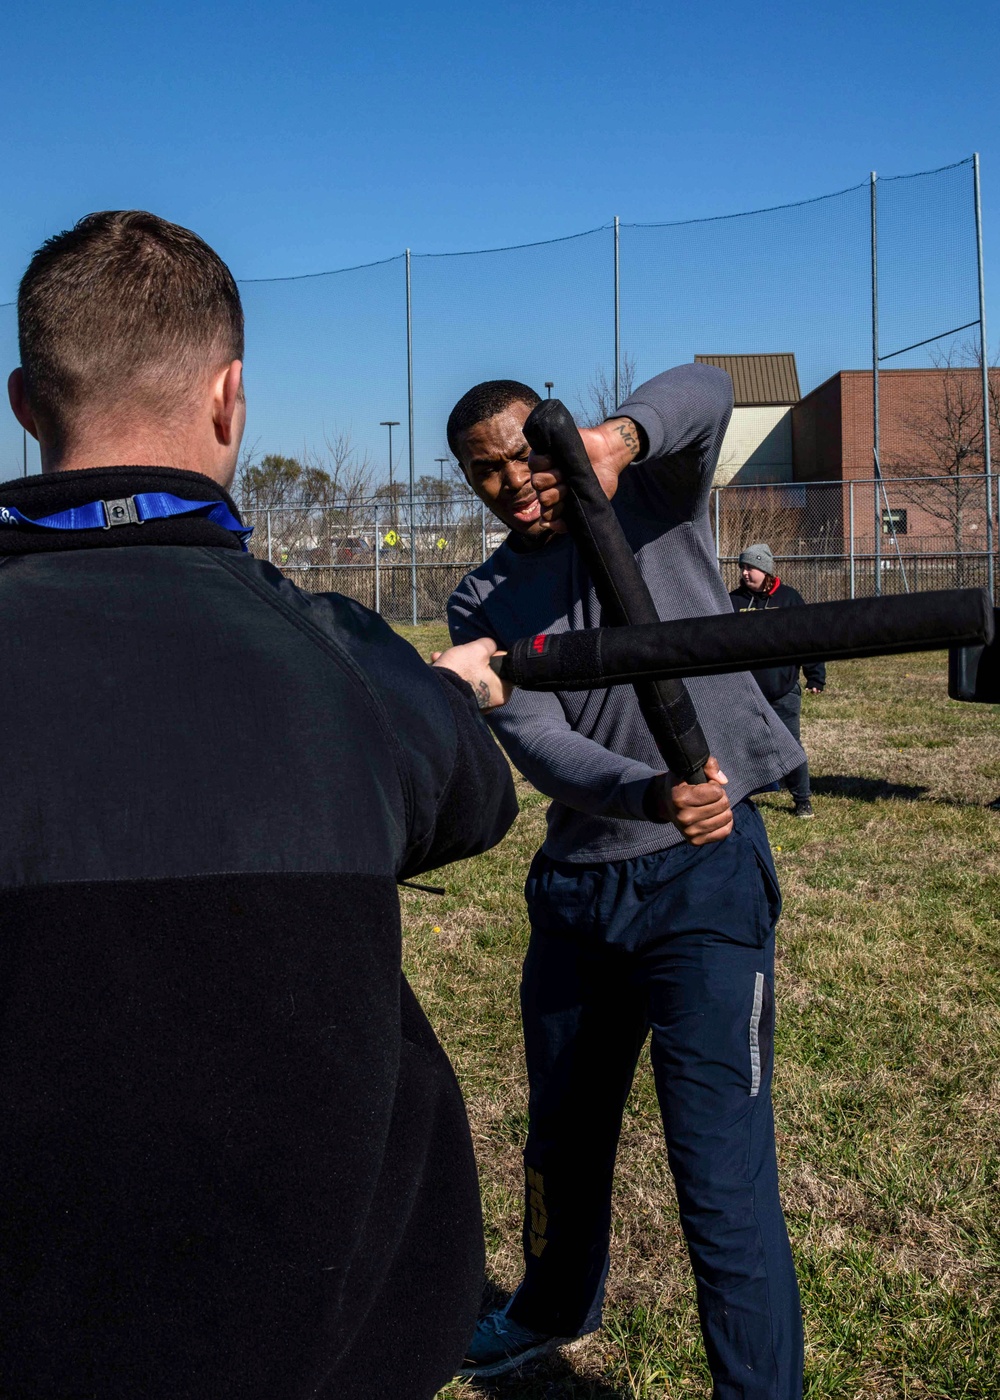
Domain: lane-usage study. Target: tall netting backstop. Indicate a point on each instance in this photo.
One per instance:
(871, 473)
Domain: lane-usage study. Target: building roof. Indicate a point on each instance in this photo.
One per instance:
(758, 379)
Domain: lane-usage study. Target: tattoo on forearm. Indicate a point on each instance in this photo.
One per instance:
(628, 435)
(482, 695)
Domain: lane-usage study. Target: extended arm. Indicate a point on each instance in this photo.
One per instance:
(566, 765)
(477, 804)
(589, 778)
(457, 795)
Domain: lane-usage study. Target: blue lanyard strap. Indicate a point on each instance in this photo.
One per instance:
(130, 510)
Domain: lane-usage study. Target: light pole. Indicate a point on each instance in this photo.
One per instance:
(441, 465)
(550, 385)
(391, 423)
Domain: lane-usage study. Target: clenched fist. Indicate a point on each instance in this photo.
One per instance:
(700, 811)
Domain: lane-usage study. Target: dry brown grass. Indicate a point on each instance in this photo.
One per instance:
(887, 1088)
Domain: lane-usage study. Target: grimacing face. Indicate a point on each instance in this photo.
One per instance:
(494, 457)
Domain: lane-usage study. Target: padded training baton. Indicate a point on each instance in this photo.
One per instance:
(621, 589)
(709, 646)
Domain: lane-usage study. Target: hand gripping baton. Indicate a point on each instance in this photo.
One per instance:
(621, 590)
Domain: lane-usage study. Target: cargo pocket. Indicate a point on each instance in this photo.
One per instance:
(761, 1032)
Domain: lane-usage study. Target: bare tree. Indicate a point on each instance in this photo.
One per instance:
(600, 401)
(351, 470)
(348, 475)
(947, 430)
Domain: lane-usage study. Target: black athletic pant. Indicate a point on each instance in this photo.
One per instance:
(789, 711)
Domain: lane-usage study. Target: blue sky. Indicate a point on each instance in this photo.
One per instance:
(307, 137)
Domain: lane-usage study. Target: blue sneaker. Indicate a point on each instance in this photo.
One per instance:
(500, 1345)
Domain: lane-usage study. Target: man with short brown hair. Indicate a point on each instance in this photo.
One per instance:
(234, 1160)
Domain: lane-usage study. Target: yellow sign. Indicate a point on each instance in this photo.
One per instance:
(442, 543)
(391, 539)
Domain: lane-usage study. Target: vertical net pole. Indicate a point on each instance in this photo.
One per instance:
(618, 323)
(378, 541)
(875, 398)
(850, 516)
(409, 393)
(984, 361)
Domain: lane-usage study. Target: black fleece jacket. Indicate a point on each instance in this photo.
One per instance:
(778, 681)
(235, 1163)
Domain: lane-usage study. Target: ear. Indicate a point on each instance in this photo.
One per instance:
(19, 401)
(227, 404)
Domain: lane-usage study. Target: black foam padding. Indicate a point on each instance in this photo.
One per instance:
(707, 646)
(625, 600)
(974, 671)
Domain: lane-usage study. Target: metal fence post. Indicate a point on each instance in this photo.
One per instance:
(875, 402)
(618, 325)
(850, 512)
(718, 546)
(378, 541)
(269, 559)
(409, 390)
(482, 529)
(984, 360)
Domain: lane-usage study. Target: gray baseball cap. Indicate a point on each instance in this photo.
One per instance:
(758, 556)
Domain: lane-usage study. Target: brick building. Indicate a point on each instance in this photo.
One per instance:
(930, 426)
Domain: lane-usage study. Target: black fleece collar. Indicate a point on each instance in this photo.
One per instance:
(43, 495)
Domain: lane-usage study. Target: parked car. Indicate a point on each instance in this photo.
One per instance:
(350, 549)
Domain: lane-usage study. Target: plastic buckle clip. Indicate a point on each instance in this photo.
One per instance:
(120, 512)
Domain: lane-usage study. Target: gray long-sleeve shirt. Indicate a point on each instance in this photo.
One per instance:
(591, 751)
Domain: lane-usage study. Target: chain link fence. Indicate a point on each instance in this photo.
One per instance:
(824, 540)
(822, 535)
(405, 567)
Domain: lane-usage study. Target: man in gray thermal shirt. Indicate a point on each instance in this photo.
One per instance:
(652, 903)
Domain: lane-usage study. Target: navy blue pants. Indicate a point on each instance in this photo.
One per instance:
(679, 945)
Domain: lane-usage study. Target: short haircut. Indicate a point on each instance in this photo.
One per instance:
(484, 401)
(124, 308)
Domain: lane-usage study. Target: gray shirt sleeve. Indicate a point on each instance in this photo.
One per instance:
(537, 736)
(563, 764)
(684, 414)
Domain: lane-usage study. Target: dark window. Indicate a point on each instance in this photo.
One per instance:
(894, 521)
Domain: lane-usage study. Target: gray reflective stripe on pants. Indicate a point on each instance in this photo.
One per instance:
(758, 1003)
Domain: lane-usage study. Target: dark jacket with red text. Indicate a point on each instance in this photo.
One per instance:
(778, 681)
(234, 1159)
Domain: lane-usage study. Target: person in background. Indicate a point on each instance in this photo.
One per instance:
(761, 588)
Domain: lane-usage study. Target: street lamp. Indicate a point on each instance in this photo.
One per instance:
(441, 465)
(550, 385)
(391, 423)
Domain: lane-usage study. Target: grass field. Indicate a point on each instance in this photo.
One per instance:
(887, 1083)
